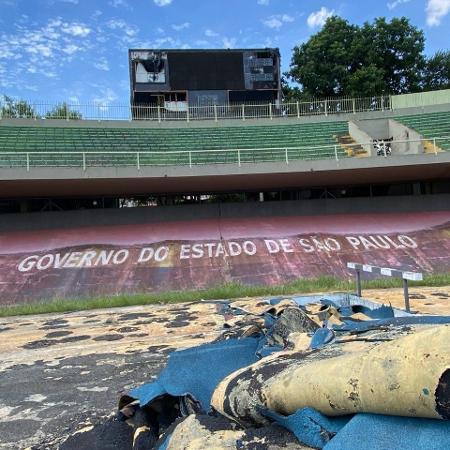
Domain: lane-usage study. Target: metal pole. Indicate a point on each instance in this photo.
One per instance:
(215, 112)
(434, 146)
(298, 111)
(239, 158)
(84, 161)
(187, 114)
(326, 108)
(159, 113)
(336, 153)
(406, 295)
(287, 160)
(138, 160)
(243, 112)
(190, 160)
(358, 283)
(270, 111)
(354, 106)
(28, 162)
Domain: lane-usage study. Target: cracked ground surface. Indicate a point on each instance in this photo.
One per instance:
(60, 372)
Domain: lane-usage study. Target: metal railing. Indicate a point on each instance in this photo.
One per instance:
(244, 111)
(192, 158)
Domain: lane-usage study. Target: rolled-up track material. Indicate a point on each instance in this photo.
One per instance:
(408, 376)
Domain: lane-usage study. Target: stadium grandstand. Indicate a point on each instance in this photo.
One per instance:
(152, 165)
(322, 150)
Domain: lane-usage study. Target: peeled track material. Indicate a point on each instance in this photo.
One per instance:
(95, 261)
(409, 369)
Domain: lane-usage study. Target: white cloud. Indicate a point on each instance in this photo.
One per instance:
(102, 64)
(44, 51)
(119, 24)
(277, 21)
(436, 10)
(40, 49)
(181, 26)
(71, 49)
(229, 42)
(162, 2)
(105, 97)
(118, 3)
(396, 3)
(75, 29)
(318, 18)
(211, 33)
(263, 2)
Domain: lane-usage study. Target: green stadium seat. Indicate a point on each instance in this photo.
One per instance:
(167, 146)
(430, 125)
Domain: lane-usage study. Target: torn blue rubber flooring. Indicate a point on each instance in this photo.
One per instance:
(377, 432)
(350, 325)
(321, 337)
(198, 370)
(309, 426)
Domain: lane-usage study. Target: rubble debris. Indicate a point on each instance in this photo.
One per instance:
(333, 372)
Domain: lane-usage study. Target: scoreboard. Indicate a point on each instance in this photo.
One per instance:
(197, 71)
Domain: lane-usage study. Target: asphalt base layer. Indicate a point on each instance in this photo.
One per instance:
(61, 373)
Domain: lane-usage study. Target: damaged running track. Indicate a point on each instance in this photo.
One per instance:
(62, 373)
(59, 373)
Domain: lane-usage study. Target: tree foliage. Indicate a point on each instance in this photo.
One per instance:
(63, 111)
(16, 109)
(437, 72)
(382, 57)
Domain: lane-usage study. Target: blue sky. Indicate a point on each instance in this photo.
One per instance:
(76, 50)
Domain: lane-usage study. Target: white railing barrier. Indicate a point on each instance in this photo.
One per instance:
(96, 111)
(64, 158)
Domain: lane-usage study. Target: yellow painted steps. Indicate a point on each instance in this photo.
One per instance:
(351, 147)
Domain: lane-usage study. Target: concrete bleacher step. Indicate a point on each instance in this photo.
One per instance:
(351, 147)
(429, 147)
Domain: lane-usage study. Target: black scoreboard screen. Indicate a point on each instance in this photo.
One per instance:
(205, 70)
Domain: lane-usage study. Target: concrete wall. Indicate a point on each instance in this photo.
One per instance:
(357, 133)
(401, 132)
(421, 99)
(363, 131)
(377, 129)
(131, 216)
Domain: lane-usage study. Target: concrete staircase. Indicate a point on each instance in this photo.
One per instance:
(351, 147)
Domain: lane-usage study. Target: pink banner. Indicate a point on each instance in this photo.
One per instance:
(195, 254)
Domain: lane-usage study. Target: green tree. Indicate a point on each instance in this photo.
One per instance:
(436, 74)
(366, 81)
(323, 64)
(396, 47)
(16, 109)
(344, 59)
(63, 111)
